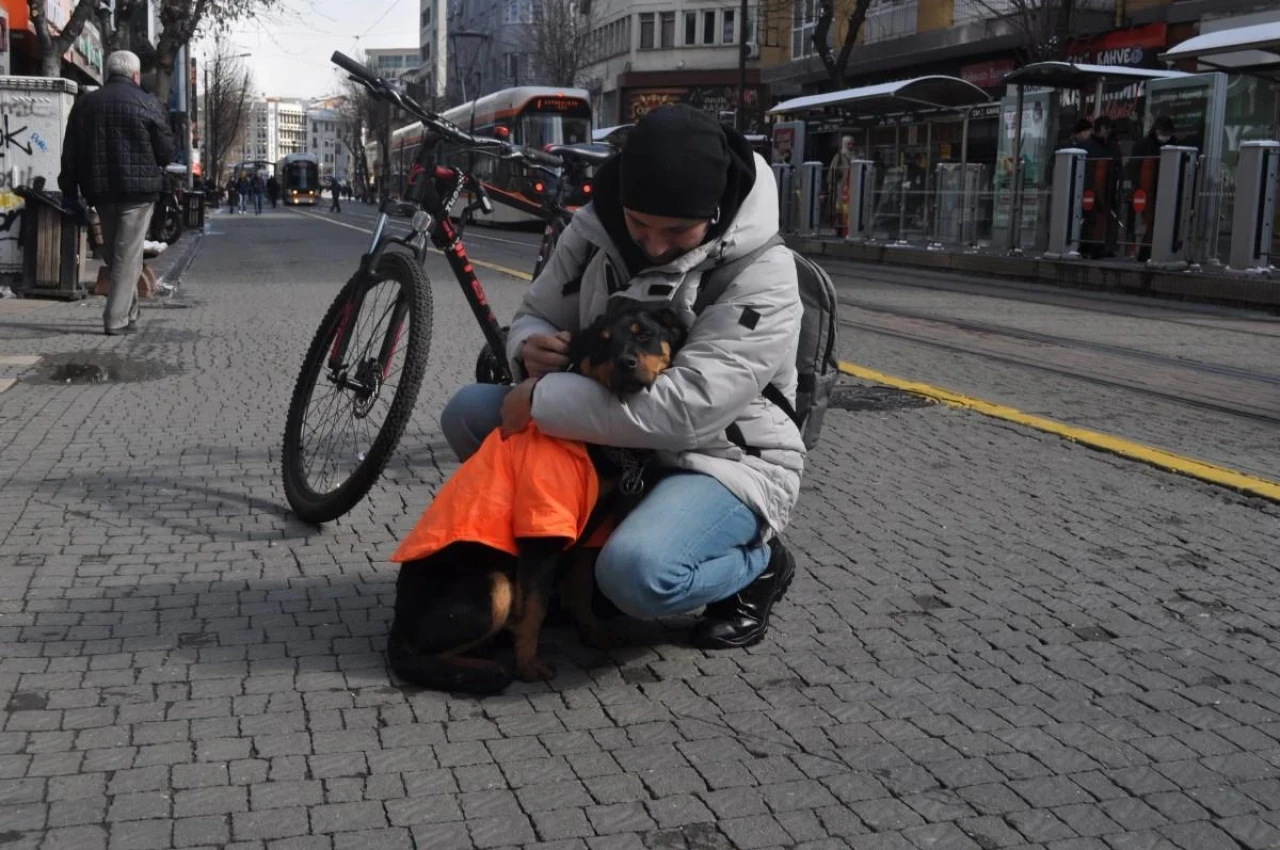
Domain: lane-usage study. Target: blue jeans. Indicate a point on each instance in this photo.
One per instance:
(689, 543)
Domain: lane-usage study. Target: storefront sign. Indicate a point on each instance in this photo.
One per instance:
(1138, 47)
(713, 100)
(987, 75)
(86, 52)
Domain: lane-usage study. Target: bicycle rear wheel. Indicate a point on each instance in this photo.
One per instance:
(345, 421)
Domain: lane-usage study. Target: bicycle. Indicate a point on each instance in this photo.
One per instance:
(370, 352)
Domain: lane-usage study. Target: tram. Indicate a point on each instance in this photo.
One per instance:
(532, 116)
(299, 177)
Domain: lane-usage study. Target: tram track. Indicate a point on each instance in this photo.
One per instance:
(1226, 389)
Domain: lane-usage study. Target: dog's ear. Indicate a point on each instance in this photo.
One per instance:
(670, 320)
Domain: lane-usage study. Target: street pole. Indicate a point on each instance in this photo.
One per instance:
(740, 120)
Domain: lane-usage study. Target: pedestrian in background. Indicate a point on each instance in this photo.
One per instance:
(259, 191)
(116, 147)
(273, 190)
(336, 188)
(243, 188)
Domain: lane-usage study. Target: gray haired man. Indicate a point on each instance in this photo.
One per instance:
(117, 144)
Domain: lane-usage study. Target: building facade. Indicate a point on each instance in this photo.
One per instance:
(275, 128)
(432, 74)
(324, 141)
(489, 47)
(392, 62)
(646, 54)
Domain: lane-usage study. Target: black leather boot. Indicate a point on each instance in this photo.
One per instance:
(742, 619)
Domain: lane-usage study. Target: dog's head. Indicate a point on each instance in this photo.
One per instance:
(628, 347)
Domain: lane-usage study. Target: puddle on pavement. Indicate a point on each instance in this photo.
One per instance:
(98, 367)
(856, 399)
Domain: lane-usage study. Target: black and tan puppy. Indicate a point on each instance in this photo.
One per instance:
(454, 602)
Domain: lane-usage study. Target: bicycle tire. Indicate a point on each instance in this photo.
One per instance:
(308, 504)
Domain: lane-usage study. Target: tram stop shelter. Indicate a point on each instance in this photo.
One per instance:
(1060, 76)
(1243, 50)
(933, 93)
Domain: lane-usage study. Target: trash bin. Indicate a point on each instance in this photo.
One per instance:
(53, 245)
(193, 214)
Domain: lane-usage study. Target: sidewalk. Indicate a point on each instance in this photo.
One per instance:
(996, 639)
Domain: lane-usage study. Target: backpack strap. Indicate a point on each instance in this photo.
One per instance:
(717, 279)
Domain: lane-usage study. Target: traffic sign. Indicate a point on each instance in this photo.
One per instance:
(1139, 200)
(1087, 201)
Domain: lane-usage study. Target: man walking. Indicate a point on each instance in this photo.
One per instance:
(273, 190)
(336, 188)
(117, 143)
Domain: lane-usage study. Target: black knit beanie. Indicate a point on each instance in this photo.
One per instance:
(675, 163)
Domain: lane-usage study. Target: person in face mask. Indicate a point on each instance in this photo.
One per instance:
(1144, 175)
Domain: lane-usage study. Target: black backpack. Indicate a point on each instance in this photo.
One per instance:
(816, 362)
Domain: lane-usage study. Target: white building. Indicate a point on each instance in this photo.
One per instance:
(276, 127)
(391, 62)
(324, 141)
(433, 47)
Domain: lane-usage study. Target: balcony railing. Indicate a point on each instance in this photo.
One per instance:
(890, 19)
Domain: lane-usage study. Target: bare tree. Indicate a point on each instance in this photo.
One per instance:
(856, 16)
(359, 118)
(1046, 27)
(226, 107)
(52, 47)
(561, 33)
(180, 20)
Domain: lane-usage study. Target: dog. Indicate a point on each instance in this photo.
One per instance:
(456, 601)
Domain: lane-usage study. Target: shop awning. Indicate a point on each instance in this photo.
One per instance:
(936, 92)
(1249, 48)
(1066, 75)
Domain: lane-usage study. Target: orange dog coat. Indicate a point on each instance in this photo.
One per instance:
(528, 485)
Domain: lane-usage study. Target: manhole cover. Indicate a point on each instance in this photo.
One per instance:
(876, 398)
(97, 367)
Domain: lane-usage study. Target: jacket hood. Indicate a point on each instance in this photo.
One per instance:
(744, 167)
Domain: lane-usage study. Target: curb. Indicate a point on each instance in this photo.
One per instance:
(1248, 291)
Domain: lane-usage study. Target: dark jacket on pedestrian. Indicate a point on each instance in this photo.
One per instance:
(117, 144)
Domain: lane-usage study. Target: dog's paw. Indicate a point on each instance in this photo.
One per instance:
(535, 671)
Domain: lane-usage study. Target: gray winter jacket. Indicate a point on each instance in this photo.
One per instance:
(744, 341)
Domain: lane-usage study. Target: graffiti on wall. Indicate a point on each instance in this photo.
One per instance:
(31, 126)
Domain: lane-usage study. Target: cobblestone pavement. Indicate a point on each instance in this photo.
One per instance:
(996, 640)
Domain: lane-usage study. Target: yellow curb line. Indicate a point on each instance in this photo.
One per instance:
(1169, 461)
(516, 273)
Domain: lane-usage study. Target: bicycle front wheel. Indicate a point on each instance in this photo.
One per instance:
(349, 412)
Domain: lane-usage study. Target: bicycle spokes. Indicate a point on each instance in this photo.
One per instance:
(351, 398)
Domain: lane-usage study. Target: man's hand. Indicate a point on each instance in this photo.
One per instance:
(517, 408)
(543, 353)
